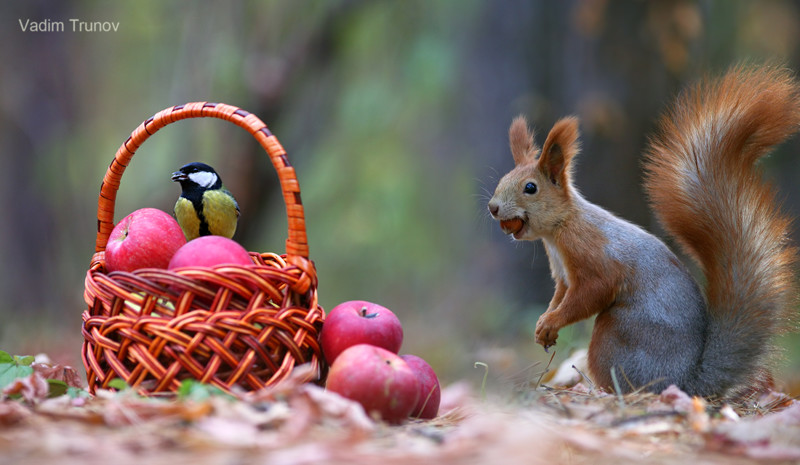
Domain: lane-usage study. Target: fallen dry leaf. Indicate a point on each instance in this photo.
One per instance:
(677, 399)
(130, 410)
(773, 436)
(568, 374)
(12, 412)
(33, 388)
(64, 373)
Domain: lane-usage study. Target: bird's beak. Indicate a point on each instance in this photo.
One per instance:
(178, 176)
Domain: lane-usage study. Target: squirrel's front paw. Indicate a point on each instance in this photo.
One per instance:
(546, 332)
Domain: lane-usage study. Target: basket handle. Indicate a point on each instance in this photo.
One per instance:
(296, 243)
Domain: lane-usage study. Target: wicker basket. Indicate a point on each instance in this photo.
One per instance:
(235, 327)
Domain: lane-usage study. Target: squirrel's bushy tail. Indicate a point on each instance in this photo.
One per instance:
(708, 194)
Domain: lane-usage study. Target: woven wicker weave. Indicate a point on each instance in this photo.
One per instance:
(235, 327)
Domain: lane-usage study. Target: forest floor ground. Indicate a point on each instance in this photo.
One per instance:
(296, 423)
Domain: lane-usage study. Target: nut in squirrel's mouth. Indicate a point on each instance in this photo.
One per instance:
(513, 226)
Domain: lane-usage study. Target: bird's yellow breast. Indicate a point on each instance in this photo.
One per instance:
(221, 212)
(187, 218)
(218, 215)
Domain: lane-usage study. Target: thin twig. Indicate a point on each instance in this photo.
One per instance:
(485, 376)
(546, 369)
(617, 390)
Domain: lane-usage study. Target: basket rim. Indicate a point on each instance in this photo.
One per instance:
(297, 239)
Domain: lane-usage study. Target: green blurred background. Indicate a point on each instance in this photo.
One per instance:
(395, 115)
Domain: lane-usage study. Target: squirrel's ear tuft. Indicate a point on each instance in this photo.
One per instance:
(520, 139)
(559, 149)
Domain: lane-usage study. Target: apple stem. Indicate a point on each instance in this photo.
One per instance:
(367, 315)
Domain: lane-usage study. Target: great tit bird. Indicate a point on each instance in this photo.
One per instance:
(205, 207)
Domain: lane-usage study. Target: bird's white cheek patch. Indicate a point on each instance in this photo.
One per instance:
(204, 178)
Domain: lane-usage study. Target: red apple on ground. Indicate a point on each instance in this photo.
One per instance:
(430, 392)
(147, 238)
(359, 322)
(210, 251)
(379, 380)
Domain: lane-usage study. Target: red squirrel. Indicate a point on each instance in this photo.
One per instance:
(654, 325)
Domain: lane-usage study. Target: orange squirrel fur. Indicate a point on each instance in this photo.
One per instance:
(654, 326)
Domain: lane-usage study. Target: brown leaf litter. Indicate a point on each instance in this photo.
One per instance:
(296, 423)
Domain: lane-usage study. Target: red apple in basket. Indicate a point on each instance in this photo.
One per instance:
(377, 379)
(147, 238)
(359, 322)
(210, 251)
(430, 392)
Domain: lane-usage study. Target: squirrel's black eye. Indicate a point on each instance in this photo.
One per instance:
(530, 188)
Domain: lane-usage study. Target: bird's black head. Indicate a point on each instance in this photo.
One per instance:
(197, 174)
